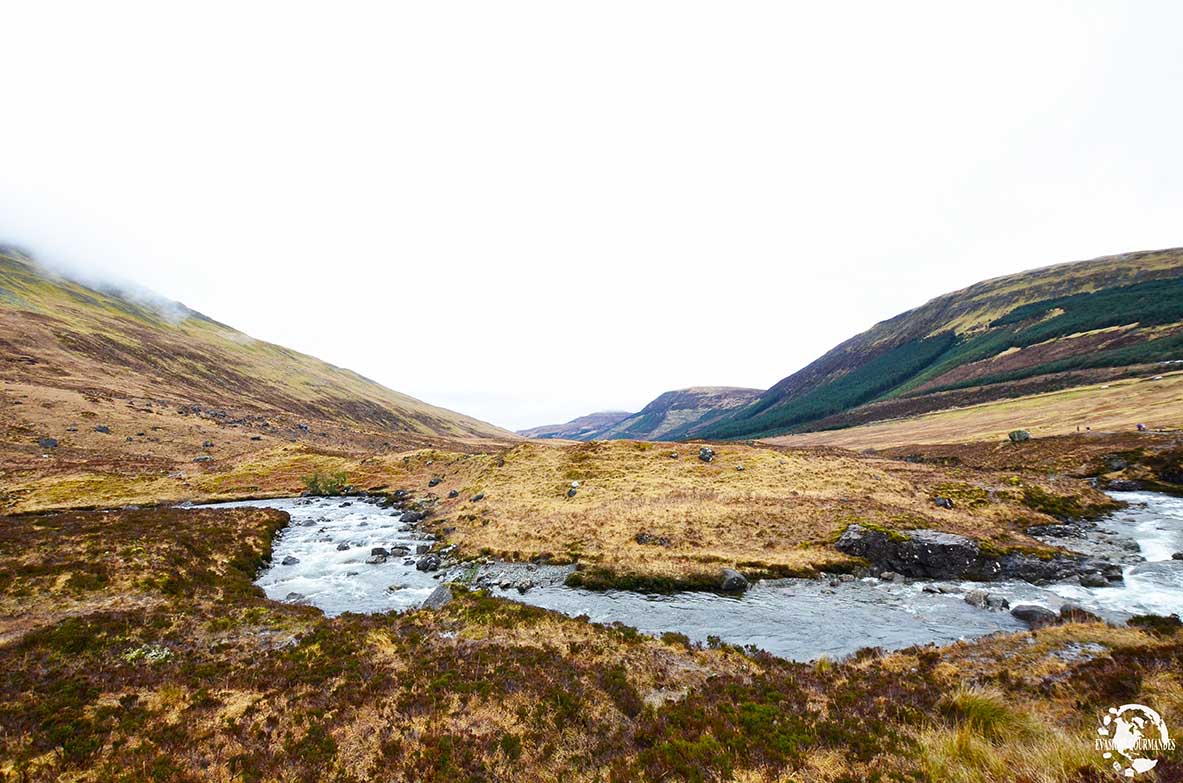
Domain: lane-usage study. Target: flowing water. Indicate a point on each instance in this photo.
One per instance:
(801, 619)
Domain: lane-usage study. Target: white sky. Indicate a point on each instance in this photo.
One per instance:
(529, 211)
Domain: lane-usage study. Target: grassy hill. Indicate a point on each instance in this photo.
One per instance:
(1054, 328)
(109, 383)
(678, 414)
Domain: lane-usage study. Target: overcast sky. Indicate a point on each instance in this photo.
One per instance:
(529, 211)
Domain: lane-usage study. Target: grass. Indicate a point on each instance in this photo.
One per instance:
(1116, 406)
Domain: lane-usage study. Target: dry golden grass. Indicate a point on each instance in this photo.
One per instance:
(780, 514)
(1115, 406)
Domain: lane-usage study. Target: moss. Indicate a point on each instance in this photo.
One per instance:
(1064, 507)
(607, 579)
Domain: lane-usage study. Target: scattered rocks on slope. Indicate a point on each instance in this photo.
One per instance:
(706, 454)
(732, 581)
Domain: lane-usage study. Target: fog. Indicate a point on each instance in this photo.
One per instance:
(530, 211)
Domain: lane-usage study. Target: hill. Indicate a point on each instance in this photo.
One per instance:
(1059, 327)
(679, 414)
(581, 428)
(107, 381)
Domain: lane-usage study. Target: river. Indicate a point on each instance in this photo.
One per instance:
(802, 619)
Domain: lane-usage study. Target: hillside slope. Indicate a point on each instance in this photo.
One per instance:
(581, 428)
(680, 413)
(109, 384)
(1053, 328)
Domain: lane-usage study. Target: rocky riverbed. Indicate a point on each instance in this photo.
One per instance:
(354, 555)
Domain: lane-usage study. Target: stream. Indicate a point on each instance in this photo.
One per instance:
(329, 540)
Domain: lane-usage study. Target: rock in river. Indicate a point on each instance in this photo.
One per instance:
(732, 581)
(931, 554)
(439, 596)
(428, 563)
(1035, 616)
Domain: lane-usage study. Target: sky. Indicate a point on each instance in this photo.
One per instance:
(527, 211)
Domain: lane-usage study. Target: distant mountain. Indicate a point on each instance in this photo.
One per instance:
(65, 346)
(581, 428)
(1052, 328)
(679, 414)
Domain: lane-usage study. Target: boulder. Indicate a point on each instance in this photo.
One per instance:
(454, 493)
(438, 598)
(375, 559)
(739, 467)
(941, 502)
(1177, 556)
(379, 551)
(572, 492)
(422, 549)
(931, 554)
(1018, 436)
(342, 546)
(434, 481)
(996, 601)
(290, 561)
(103, 428)
(1035, 616)
(48, 443)
(293, 598)
(477, 497)
(706, 454)
(207, 444)
(1095, 579)
(411, 517)
(977, 598)
(732, 581)
(203, 458)
(428, 563)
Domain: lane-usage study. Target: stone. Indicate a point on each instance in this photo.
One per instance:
(673, 455)
(1035, 616)
(644, 539)
(706, 454)
(943, 502)
(572, 492)
(477, 497)
(1018, 436)
(454, 493)
(739, 467)
(342, 546)
(428, 563)
(977, 598)
(434, 481)
(732, 581)
(48, 443)
(1177, 556)
(290, 561)
(411, 517)
(103, 428)
(375, 559)
(203, 458)
(293, 598)
(209, 444)
(422, 549)
(1093, 580)
(439, 597)
(890, 576)
(379, 551)
(931, 554)
(995, 601)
